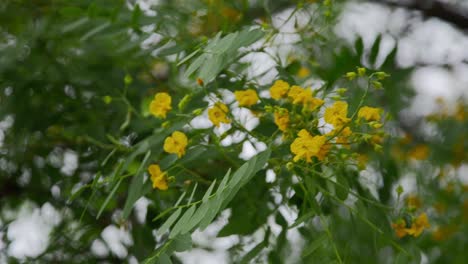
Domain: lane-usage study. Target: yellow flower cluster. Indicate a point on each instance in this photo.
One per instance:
(246, 98)
(158, 177)
(306, 146)
(336, 114)
(218, 114)
(176, 143)
(282, 119)
(160, 105)
(417, 226)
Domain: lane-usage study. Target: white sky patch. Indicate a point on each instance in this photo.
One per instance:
(117, 240)
(29, 232)
(70, 162)
(371, 179)
(99, 248)
(141, 208)
(250, 148)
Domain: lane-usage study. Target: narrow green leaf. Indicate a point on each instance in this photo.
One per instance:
(135, 190)
(314, 245)
(210, 70)
(302, 219)
(208, 192)
(182, 242)
(195, 65)
(193, 193)
(188, 57)
(95, 31)
(169, 222)
(184, 220)
(375, 50)
(109, 197)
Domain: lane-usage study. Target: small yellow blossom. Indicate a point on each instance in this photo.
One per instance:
(400, 228)
(303, 72)
(246, 98)
(218, 114)
(299, 95)
(369, 113)
(279, 89)
(176, 143)
(443, 233)
(419, 152)
(313, 103)
(158, 177)
(160, 105)
(418, 226)
(413, 201)
(336, 114)
(282, 119)
(305, 146)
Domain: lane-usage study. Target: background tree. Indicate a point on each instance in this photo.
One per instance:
(81, 131)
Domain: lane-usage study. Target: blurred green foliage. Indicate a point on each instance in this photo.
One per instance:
(78, 76)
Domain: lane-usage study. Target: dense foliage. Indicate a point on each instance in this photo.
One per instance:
(106, 102)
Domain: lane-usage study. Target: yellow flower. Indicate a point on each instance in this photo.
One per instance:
(313, 103)
(279, 89)
(246, 98)
(400, 228)
(299, 95)
(282, 119)
(303, 72)
(419, 152)
(158, 177)
(160, 105)
(336, 114)
(369, 113)
(176, 143)
(413, 201)
(418, 226)
(217, 114)
(306, 146)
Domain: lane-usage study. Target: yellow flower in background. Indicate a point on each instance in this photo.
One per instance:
(279, 89)
(336, 114)
(158, 177)
(160, 105)
(413, 201)
(400, 228)
(282, 119)
(419, 152)
(369, 113)
(418, 226)
(176, 143)
(299, 95)
(246, 98)
(218, 114)
(313, 103)
(303, 72)
(305, 146)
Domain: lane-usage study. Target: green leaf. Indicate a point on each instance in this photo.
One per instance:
(164, 259)
(342, 187)
(95, 31)
(314, 245)
(169, 222)
(195, 65)
(183, 221)
(302, 219)
(375, 50)
(211, 69)
(136, 186)
(208, 192)
(182, 243)
(109, 197)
